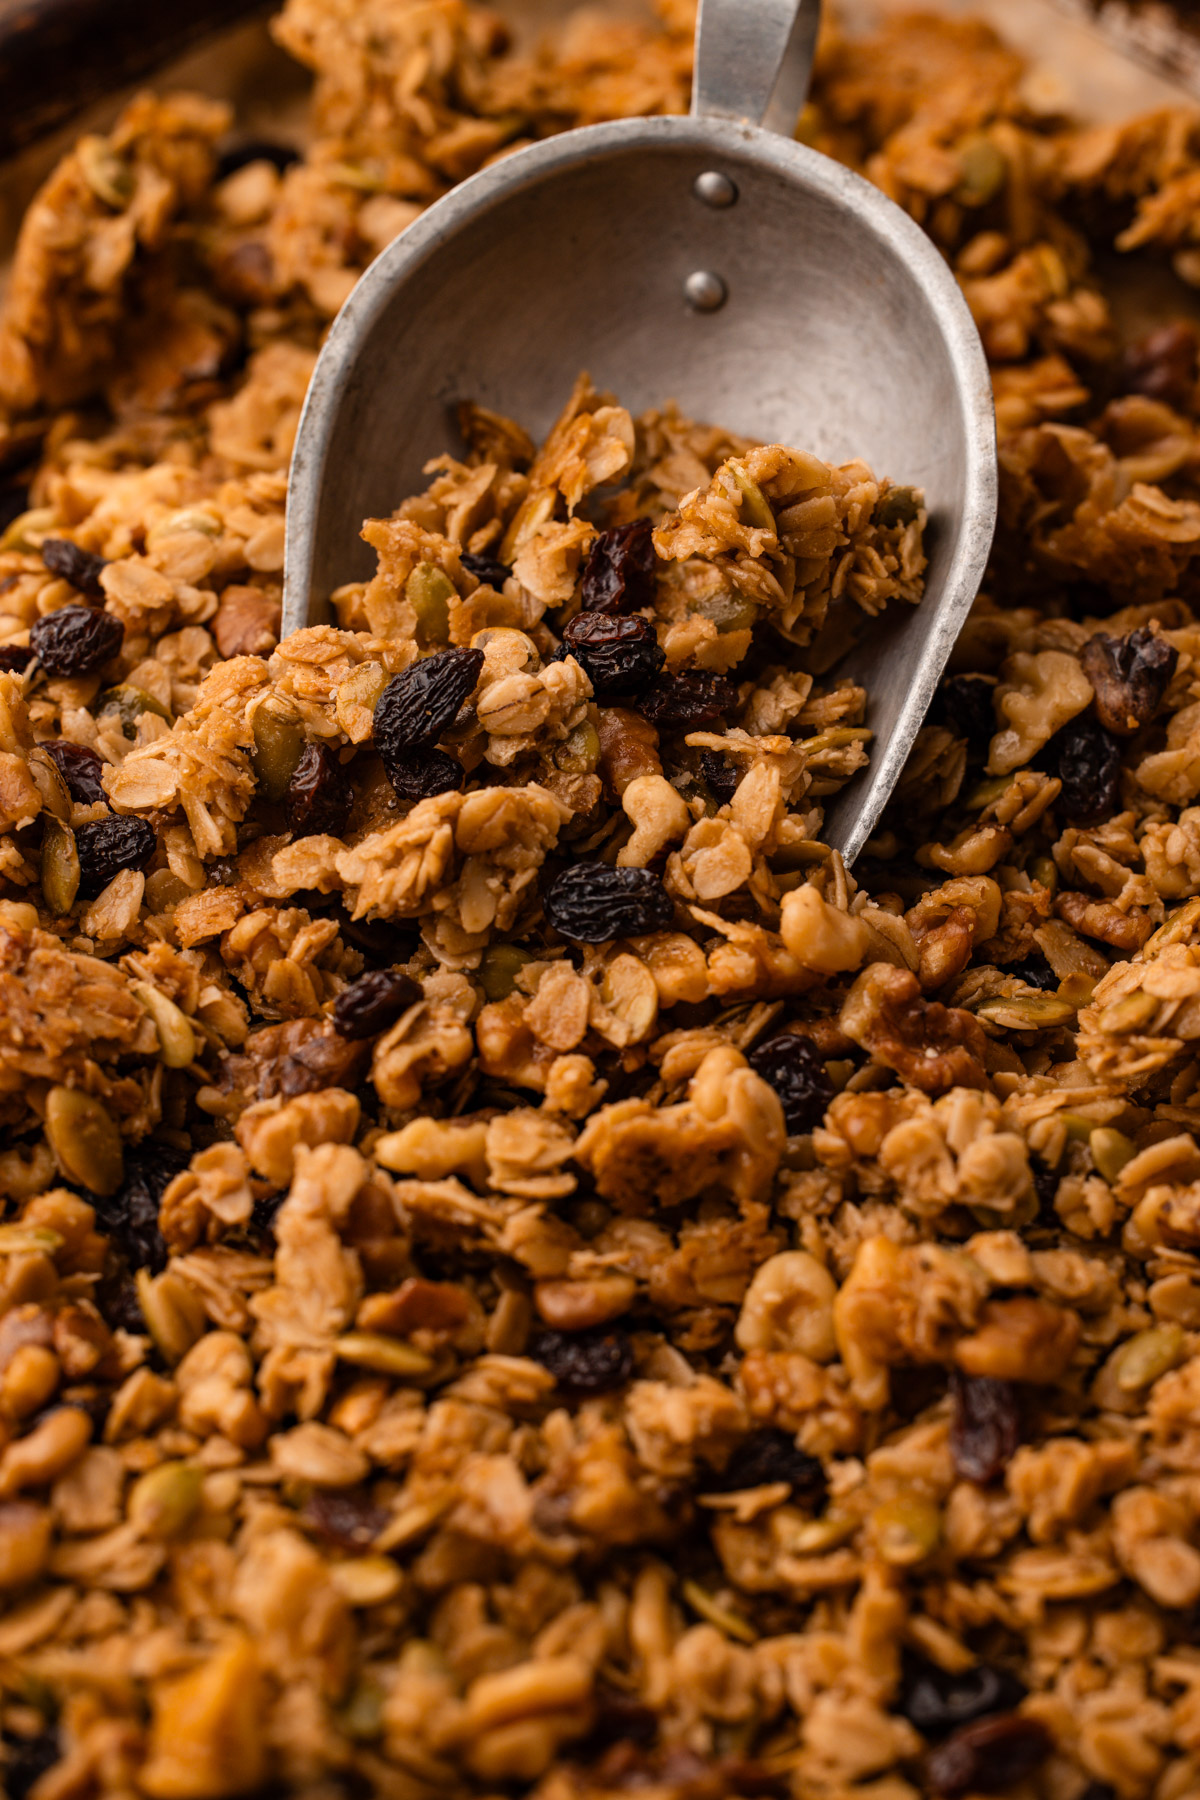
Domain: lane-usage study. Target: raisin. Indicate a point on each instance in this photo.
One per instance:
(347, 1517)
(485, 569)
(585, 1362)
(721, 775)
(26, 1761)
(422, 702)
(15, 658)
(1045, 1183)
(792, 1065)
(239, 156)
(937, 1702)
(70, 563)
(110, 845)
(685, 701)
(1162, 365)
(119, 1305)
(80, 767)
(130, 1216)
(619, 1719)
(769, 1456)
(1130, 676)
(301, 1057)
(1087, 760)
(319, 795)
(968, 712)
(619, 574)
(591, 903)
(76, 640)
(373, 1002)
(420, 774)
(1098, 1790)
(986, 1756)
(262, 1214)
(14, 500)
(619, 656)
(1035, 971)
(986, 1428)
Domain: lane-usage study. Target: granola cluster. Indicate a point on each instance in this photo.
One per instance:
(520, 1273)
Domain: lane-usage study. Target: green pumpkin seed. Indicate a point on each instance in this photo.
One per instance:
(429, 591)
(130, 703)
(177, 1039)
(898, 506)
(1148, 1355)
(278, 747)
(1027, 1012)
(982, 170)
(165, 1500)
(60, 866)
(756, 508)
(907, 1530)
(107, 174)
(1111, 1150)
(723, 1617)
(386, 1355)
(579, 751)
(52, 789)
(85, 1140)
(498, 970)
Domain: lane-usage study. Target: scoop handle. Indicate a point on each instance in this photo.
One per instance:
(754, 59)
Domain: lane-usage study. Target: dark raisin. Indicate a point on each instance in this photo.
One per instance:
(347, 1517)
(76, 640)
(769, 1456)
(619, 656)
(989, 1755)
(1045, 1184)
(968, 712)
(1035, 971)
(14, 500)
(301, 1057)
(15, 658)
(685, 701)
(130, 1216)
(26, 1761)
(619, 574)
(238, 156)
(420, 774)
(1087, 760)
(373, 1002)
(937, 1702)
(792, 1065)
(422, 702)
(1098, 1790)
(986, 1428)
(721, 774)
(1162, 365)
(319, 795)
(585, 1362)
(486, 569)
(80, 767)
(591, 903)
(619, 1719)
(1130, 675)
(110, 845)
(70, 563)
(120, 1308)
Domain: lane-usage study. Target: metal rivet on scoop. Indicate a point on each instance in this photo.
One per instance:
(714, 188)
(705, 291)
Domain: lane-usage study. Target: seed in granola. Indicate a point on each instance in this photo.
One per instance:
(26, 1761)
(110, 845)
(120, 1308)
(619, 574)
(499, 968)
(423, 701)
(420, 774)
(85, 1140)
(14, 658)
(1130, 675)
(585, 1362)
(76, 640)
(347, 1517)
(70, 563)
(429, 591)
(374, 1002)
(988, 1755)
(279, 743)
(130, 704)
(1087, 760)
(81, 768)
(1162, 365)
(319, 795)
(968, 711)
(130, 1216)
(937, 1702)
(60, 866)
(592, 903)
(486, 569)
(687, 700)
(792, 1065)
(619, 656)
(721, 775)
(897, 506)
(770, 1456)
(986, 1428)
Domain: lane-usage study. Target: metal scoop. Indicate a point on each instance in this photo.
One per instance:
(710, 260)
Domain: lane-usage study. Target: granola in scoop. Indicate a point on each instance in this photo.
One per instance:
(520, 1273)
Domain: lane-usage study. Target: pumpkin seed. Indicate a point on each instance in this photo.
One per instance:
(176, 1037)
(107, 174)
(906, 1530)
(165, 1500)
(982, 170)
(728, 612)
(366, 1580)
(26, 531)
(60, 866)
(278, 746)
(1027, 1012)
(1149, 1354)
(85, 1140)
(1111, 1150)
(386, 1355)
(898, 506)
(1129, 1014)
(29, 1240)
(173, 1311)
(129, 703)
(1044, 869)
(499, 968)
(47, 779)
(755, 508)
(579, 751)
(429, 591)
(723, 1617)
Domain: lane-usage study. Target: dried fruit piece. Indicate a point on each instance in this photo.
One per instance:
(720, 774)
(15, 658)
(423, 701)
(81, 768)
(1087, 761)
(70, 563)
(619, 573)
(585, 1362)
(619, 656)
(968, 711)
(130, 1216)
(76, 640)
(1162, 365)
(989, 1755)
(84, 1139)
(110, 845)
(591, 903)
(937, 1702)
(420, 774)
(1130, 675)
(687, 700)
(792, 1065)
(347, 1517)
(769, 1456)
(374, 1002)
(486, 569)
(319, 795)
(987, 1426)
(26, 1761)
